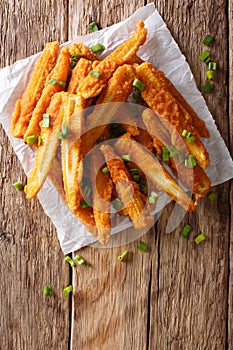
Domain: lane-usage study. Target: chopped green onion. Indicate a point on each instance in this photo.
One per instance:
(191, 139)
(212, 196)
(31, 139)
(84, 204)
(97, 48)
(18, 186)
(136, 177)
(154, 194)
(117, 204)
(65, 132)
(39, 141)
(52, 81)
(212, 65)
(105, 170)
(200, 238)
(190, 162)
(143, 185)
(134, 171)
(87, 191)
(152, 200)
(70, 261)
(181, 157)
(185, 231)
(209, 74)
(72, 64)
(126, 157)
(48, 290)
(139, 84)
(93, 27)
(67, 290)
(142, 246)
(165, 154)
(79, 260)
(207, 87)
(76, 56)
(62, 83)
(123, 255)
(205, 54)
(46, 120)
(186, 133)
(208, 39)
(208, 60)
(137, 95)
(95, 74)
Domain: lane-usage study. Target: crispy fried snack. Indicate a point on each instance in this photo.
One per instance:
(127, 119)
(72, 166)
(155, 171)
(128, 190)
(91, 86)
(79, 50)
(58, 74)
(80, 71)
(197, 123)
(171, 113)
(26, 105)
(194, 179)
(118, 90)
(47, 150)
(102, 188)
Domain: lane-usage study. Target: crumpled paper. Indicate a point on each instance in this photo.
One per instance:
(162, 51)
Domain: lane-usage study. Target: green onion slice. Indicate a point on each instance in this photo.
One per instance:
(65, 132)
(142, 246)
(67, 290)
(200, 238)
(105, 170)
(52, 81)
(207, 87)
(191, 139)
(117, 204)
(126, 157)
(137, 95)
(47, 290)
(39, 141)
(139, 84)
(79, 259)
(134, 171)
(46, 120)
(212, 65)
(18, 186)
(209, 74)
(165, 154)
(136, 177)
(70, 261)
(185, 133)
(95, 74)
(123, 255)
(97, 48)
(212, 196)
(208, 40)
(185, 231)
(93, 27)
(62, 83)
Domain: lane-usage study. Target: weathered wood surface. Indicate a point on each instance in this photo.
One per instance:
(175, 296)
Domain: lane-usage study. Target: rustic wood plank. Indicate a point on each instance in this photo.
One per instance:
(230, 92)
(190, 310)
(30, 254)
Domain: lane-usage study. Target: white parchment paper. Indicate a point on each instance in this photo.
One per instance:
(162, 51)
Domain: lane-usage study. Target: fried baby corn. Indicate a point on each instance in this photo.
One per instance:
(72, 166)
(194, 179)
(59, 74)
(128, 190)
(154, 171)
(92, 85)
(33, 91)
(80, 71)
(79, 50)
(102, 188)
(47, 150)
(118, 90)
(161, 101)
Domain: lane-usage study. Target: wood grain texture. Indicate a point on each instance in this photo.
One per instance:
(176, 296)
(30, 255)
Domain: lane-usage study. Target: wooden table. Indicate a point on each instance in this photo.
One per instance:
(175, 296)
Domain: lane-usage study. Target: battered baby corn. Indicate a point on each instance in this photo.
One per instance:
(118, 90)
(33, 91)
(154, 171)
(80, 71)
(128, 190)
(93, 84)
(177, 119)
(55, 83)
